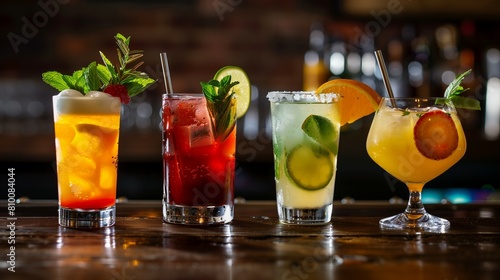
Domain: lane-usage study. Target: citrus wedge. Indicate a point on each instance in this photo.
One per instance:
(435, 135)
(358, 99)
(321, 130)
(309, 169)
(242, 90)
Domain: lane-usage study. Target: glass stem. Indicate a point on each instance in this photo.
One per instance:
(415, 208)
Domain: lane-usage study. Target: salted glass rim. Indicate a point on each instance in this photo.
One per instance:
(302, 96)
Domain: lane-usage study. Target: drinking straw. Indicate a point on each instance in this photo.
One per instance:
(166, 73)
(385, 76)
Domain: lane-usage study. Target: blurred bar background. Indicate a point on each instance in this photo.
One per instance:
(283, 45)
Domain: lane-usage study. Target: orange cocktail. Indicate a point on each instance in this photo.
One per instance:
(86, 131)
(393, 146)
(416, 140)
(87, 121)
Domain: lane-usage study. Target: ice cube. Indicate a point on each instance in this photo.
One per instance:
(107, 177)
(79, 165)
(202, 115)
(88, 140)
(82, 188)
(70, 93)
(200, 135)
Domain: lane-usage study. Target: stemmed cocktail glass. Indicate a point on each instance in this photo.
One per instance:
(415, 140)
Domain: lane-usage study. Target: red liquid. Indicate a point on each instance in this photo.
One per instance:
(90, 204)
(198, 170)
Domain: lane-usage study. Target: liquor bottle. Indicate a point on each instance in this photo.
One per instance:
(315, 71)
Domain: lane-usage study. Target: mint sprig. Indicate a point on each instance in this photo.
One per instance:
(221, 105)
(134, 80)
(98, 76)
(454, 88)
(453, 91)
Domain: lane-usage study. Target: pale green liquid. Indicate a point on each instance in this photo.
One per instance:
(287, 134)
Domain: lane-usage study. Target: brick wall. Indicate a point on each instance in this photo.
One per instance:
(268, 40)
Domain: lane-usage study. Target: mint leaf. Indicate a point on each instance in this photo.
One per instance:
(111, 69)
(79, 81)
(453, 91)
(70, 81)
(132, 76)
(138, 85)
(103, 74)
(62, 82)
(454, 87)
(460, 102)
(465, 103)
(209, 91)
(120, 37)
(55, 80)
(76, 81)
(91, 78)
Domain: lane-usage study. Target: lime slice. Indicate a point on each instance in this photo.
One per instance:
(321, 130)
(308, 169)
(241, 90)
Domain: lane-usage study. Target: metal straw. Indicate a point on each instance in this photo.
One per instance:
(385, 76)
(166, 73)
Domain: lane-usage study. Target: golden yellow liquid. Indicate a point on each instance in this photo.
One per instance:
(391, 145)
(87, 158)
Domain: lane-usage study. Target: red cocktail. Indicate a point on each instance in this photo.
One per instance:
(198, 166)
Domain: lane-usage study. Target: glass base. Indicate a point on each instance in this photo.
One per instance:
(77, 218)
(305, 216)
(426, 222)
(198, 215)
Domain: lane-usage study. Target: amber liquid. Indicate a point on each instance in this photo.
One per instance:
(87, 158)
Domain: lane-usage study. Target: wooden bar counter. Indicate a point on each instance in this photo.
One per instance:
(253, 246)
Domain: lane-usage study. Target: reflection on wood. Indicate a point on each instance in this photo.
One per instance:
(255, 246)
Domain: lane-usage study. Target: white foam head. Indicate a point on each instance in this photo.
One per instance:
(73, 102)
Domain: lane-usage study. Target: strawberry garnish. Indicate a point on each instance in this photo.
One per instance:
(118, 91)
(435, 135)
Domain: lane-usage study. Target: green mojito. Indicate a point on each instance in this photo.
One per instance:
(305, 129)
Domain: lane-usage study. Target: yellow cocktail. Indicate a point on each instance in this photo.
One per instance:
(415, 140)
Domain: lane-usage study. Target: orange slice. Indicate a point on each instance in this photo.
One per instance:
(358, 99)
